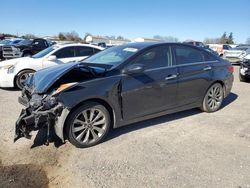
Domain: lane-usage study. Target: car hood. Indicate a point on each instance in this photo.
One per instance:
(15, 61)
(44, 79)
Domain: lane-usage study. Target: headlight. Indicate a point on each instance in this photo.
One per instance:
(10, 68)
(64, 87)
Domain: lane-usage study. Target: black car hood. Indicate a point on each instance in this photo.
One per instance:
(44, 79)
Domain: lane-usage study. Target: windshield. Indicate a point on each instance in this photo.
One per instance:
(15, 42)
(25, 42)
(44, 52)
(5, 42)
(113, 56)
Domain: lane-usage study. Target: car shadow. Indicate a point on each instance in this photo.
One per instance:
(41, 137)
(10, 89)
(164, 119)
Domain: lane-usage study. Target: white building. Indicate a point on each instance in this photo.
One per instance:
(101, 39)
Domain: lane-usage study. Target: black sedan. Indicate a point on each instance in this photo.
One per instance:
(120, 86)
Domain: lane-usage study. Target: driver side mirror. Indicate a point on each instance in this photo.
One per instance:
(133, 69)
(51, 58)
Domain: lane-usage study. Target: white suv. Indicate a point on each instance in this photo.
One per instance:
(13, 73)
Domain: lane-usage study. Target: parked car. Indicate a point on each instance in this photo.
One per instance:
(7, 42)
(236, 54)
(244, 73)
(201, 45)
(25, 48)
(220, 48)
(122, 85)
(14, 72)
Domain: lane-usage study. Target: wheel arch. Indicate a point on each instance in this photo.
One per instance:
(98, 100)
(220, 82)
(27, 69)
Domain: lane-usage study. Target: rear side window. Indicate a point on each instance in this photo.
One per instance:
(65, 52)
(156, 57)
(84, 51)
(186, 55)
(209, 57)
(96, 50)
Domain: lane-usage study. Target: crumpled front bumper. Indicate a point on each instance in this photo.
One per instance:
(31, 120)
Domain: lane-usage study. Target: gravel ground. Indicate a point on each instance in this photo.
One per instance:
(187, 149)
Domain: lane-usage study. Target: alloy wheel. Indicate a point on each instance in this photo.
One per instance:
(89, 126)
(215, 97)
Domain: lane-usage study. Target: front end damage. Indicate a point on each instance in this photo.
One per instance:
(41, 111)
(41, 98)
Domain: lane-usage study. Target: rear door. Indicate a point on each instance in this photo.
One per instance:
(155, 89)
(194, 74)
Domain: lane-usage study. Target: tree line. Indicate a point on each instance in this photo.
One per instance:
(74, 36)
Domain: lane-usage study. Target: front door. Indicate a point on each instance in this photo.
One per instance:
(155, 89)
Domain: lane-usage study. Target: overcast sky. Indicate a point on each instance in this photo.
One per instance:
(184, 19)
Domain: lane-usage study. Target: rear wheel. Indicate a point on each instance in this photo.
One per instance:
(21, 78)
(27, 54)
(88, 125)
(213, 98)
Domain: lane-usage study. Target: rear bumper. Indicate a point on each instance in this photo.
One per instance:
(6, 80)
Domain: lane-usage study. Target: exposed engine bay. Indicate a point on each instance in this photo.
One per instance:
(45, 109)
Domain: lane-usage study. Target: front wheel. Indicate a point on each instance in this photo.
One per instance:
(88, 125)
(213, 98)
(22, 77)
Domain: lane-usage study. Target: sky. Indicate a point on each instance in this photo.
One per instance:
(184, 19)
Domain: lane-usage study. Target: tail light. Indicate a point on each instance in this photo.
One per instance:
(230, 68)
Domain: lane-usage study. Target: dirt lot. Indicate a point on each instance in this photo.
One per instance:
(187, 149)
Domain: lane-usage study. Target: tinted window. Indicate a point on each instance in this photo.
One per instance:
(96, 50)
(40, 43)
(185, 55)
(83, 51)
(208, 56)
(226, 47)
(156, 57)
(65, 52)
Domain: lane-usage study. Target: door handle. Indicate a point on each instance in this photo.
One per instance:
(207, 68)
(170, 77)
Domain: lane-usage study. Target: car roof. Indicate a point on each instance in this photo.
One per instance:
(77, 44)
(141, 45)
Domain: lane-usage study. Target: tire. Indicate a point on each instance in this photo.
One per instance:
(88, 125)
(242, 78)
(21, 77)
(213, 98)
(27, 54)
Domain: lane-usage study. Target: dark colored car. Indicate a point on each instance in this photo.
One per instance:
(25, 48)
(244, 73)
(122, 85)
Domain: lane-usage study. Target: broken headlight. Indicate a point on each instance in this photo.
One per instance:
(64, 87)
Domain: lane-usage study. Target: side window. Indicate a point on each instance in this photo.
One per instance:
(225, 47)
(65, 52)
(186, 54)
(84, 51)
(156, 57)
(209, 57)
(96, 50)
(40, 43)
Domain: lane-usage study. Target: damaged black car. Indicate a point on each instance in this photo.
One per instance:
(119, 86)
